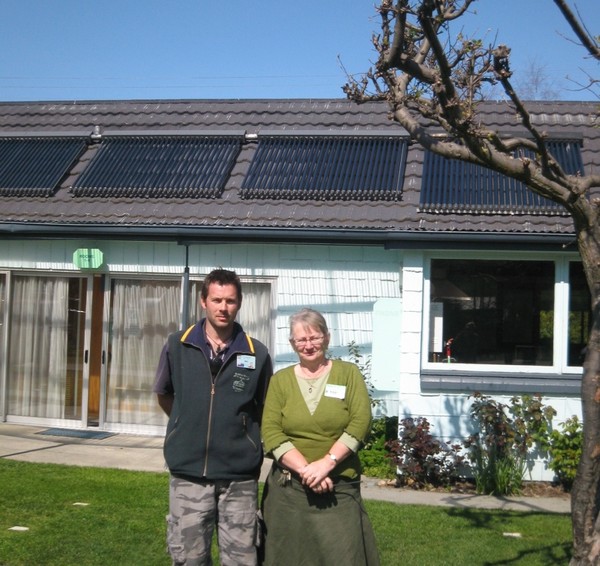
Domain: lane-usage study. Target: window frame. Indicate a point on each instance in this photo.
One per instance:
(501, 377)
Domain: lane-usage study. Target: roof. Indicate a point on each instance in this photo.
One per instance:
(247, 138)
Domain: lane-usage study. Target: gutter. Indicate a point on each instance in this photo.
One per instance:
(386, 238)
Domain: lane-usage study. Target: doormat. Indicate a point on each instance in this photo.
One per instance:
(77, 433)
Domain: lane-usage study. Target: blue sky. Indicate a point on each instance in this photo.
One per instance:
(155, 49)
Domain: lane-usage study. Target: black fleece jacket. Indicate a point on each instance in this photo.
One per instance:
(213, 430)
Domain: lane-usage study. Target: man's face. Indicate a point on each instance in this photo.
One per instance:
(221, 305)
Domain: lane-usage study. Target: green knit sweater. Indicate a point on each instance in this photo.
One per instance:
(286, 417)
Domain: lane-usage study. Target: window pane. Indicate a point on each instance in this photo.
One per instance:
(75, 348)
(580, 308)
(492, 312)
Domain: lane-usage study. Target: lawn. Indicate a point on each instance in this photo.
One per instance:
(97, 516)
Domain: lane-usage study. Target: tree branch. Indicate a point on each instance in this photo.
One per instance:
(586, 39)
(431, 85)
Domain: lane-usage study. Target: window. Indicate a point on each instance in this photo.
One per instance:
(580, 309)
(492, 312)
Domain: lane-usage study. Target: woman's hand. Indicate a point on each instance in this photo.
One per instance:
(325, 486)
(315, 474)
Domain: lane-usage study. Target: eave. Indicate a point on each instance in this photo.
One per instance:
(389, 239)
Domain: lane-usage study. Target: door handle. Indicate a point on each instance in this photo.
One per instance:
(85, 356)
(103, 357)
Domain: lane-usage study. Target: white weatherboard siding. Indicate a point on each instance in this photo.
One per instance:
(370, 296)
(343, 282)
(385, 371)
(410, 341)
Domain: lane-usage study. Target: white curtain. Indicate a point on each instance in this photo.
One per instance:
(143, 314)
(38, 347)
(2, 307)
(255, 314)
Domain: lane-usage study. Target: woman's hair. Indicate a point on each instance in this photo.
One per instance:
(309, 317)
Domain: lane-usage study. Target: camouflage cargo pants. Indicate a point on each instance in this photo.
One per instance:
(195, 509)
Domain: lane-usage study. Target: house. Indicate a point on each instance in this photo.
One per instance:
(450, 278)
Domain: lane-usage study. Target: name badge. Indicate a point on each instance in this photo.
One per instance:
(247, 362)
(335, 391)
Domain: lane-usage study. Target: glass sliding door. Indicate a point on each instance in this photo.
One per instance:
(76, 318)
(46, 353)
(142, 314)
(84, 349)
(3, 345)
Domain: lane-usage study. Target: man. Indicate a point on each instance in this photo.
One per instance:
(211, 381)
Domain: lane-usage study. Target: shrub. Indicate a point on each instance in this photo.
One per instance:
(532, 422)
(498, 449)
(565, 447)
(420, 458)
(374, 457)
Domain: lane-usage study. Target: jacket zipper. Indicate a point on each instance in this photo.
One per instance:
(210, 410)
(209, 428)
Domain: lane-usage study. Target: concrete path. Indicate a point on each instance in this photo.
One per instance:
(144, 453)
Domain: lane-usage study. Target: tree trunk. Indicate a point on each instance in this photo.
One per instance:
(585, 495)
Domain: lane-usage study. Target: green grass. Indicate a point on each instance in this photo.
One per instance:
(124, 523)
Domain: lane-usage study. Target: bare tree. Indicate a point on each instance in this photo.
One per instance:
(432, 79)
(535, 83)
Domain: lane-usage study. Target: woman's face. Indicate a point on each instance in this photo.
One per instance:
(309, 343)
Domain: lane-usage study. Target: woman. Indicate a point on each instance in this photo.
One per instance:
(317, 413)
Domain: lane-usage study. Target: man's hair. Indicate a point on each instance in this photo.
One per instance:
(221, 276)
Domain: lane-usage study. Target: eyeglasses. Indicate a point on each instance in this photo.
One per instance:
(303, 342)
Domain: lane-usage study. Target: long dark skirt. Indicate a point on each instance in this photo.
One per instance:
(305, 528)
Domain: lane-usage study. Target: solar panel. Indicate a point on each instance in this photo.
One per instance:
(159, 166)
(451, 185)
(327, 168)
(34, 166)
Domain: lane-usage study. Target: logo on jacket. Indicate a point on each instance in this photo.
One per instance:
(239, 382)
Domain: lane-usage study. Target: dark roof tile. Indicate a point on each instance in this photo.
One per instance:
(64, 209)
